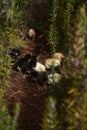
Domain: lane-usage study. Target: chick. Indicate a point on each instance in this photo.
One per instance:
(36, 69)
(55, 61)
(14, 53)
(54, 78)
(32, 34)
(17, 66)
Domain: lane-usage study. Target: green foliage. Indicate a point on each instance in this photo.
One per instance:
(84, 114)
(10, 36)
(6, 121)
(77, 73)
(21, 4)
(69, 92)
(15, 11)
(63, 24)
(50, 121)
(67, 18)
(53, 36)
(14, 39)
(85, 29)
(4, 66)
(12, 13)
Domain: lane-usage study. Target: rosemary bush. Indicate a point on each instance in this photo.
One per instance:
(6, 41)
(50, 121)
(9, 36)
(71, 90)
(6, 121)
(53, 36)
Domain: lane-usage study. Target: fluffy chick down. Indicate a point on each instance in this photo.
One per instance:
(54, 78)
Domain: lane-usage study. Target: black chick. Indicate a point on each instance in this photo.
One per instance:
(14, 53)
(36, 70)
(20, 61)
(27, 67)
(41, 78)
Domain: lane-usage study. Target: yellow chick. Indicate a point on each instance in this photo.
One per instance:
(55, 61)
